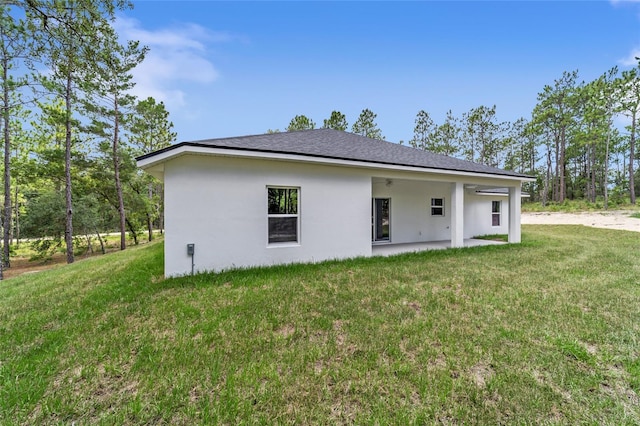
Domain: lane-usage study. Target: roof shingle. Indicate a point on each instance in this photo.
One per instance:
(335, 144)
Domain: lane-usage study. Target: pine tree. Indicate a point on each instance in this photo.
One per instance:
(366, 125)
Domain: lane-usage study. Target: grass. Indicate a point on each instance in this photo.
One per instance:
(493, 237)
(574, 206)
(26, 260)
(543, 332)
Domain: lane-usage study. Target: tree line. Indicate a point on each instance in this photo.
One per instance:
(71, 128)
(571, 143)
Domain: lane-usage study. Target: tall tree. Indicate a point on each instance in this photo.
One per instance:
(301, 122)
(337, 121)
(542, 134)
(514, 144)
(628, 89)
(556, 114)
(423, 132)
(529, 157)
(45, 183)
(151, 130)
(15, 56)
(112, 82)
(366, 125)
(72, 28)
(446, 137)
(481, 136)
(23, 165)
(594, 135)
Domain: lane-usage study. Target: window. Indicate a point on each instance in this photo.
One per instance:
(437, 207)
(495, 213)
(283, 214)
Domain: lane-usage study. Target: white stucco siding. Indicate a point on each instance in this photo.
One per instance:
(411, 219)
(478, 215)
(220, 205)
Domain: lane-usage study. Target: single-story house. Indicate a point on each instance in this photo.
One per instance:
(321, 194)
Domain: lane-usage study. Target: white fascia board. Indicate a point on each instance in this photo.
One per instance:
(238, 153)
(489, 194)
(498, 194)
(145, 163)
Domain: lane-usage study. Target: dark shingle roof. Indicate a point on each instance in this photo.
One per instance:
(335, 144)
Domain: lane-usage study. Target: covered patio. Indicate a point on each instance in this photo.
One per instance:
(393, 249)
(412, 213)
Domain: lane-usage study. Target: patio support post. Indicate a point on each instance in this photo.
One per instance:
(457, 214)
(514, 214)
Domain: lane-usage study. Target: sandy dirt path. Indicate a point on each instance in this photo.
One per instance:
(613, 219)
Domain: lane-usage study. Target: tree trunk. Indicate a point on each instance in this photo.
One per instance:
(116, 169)
(563, 167)
(149, 220)
(483, 149)
(592, 170)
(545, 190)
(605, 179)
(16, 205)
(587, 173)
(149, 227)
(556, 188)
(68, 231)
(89, 245)
(101, 242)
(7, 168)
(134, 234)
(632, 158)
(161, 218)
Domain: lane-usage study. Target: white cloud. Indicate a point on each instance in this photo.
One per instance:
(176, 55)
(631, 60)
(624, 3)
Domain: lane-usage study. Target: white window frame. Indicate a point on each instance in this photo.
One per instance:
(497, 214)
(435, 206)
(284, 215)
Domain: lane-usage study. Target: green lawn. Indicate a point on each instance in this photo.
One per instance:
(544, 332)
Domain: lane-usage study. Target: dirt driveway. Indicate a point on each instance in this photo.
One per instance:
(613, 219)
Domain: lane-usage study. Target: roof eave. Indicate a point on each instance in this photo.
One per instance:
(148, 160)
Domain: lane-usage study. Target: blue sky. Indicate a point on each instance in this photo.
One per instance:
(237, 68)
